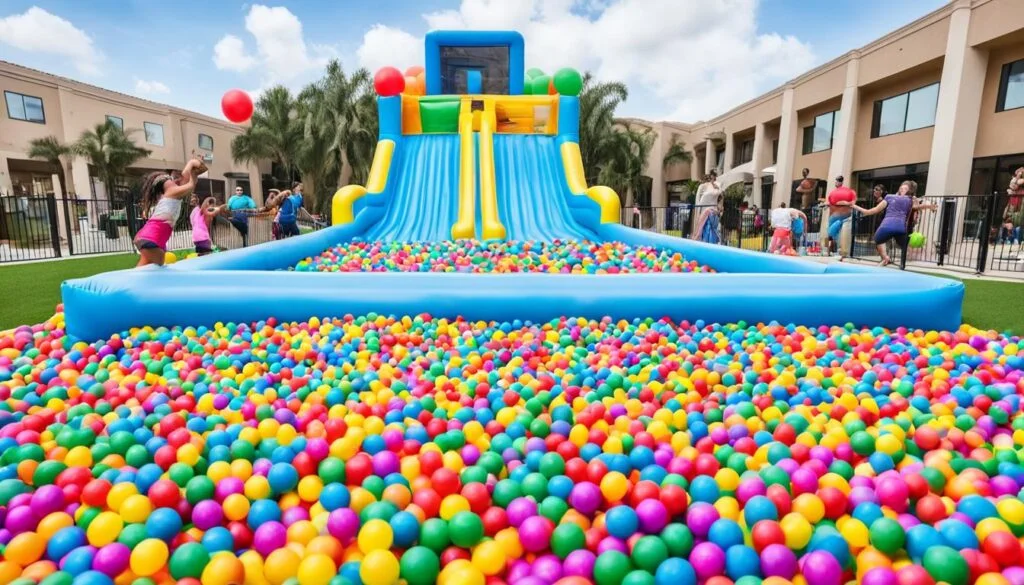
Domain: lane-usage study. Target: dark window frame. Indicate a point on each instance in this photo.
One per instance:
(775, 151)
(42, 106)
(163, 137)
(744, 152)
(1004, 85)
(199, 141)
(808, 145)
(119, 123)
(876, 114)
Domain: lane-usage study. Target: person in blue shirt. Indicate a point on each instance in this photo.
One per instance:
(288, 204)
(240, 205)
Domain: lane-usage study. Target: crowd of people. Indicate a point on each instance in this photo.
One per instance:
(163, 194)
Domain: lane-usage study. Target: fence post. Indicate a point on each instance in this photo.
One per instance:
(946, 219)
(51, 212)
(68, 225)
(983, 235)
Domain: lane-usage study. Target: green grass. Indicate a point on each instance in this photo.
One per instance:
(30, 292)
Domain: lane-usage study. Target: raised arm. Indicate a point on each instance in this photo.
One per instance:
(876, 209)
(923, 205)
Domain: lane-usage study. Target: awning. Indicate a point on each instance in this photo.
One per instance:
(740, 174)
(769, 171)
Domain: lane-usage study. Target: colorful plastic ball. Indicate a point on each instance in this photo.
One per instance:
(188, 560)
(466, 529)
(388, 82)
(621, 522)
(236, 105)
(917, 240)
(567, 538)
(489, 557)
(568, 81)
(819, 567)
(887, 535)
(675, 571)
(611, 568)
(777, 560)
(946, 564)
(319, 569)
(535, 533)
(741, 561)
(708, 560)
(375, 535)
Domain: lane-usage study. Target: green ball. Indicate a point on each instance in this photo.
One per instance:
(862, 443)
(47, 472)
(611, 568)
(378, 511)
(649, 552)
(58, 578)
(419, 566)
(945, 564)
(678, 538)
(331, 470)
(533, 72)
(887, 535)
(553, 509)
(132, 534)
(505, 491)
(435, 535)
(189, 560)
(199, 488)
(466, 529)
(567, 538)
(551, 464)
(638, 577)
(917, 240)
(568, 81)
(527, 86)
(540, 84)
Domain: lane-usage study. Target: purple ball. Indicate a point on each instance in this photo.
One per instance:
(821, 568)
(270, 537)
(880, 576)
(518, 570)
(749, 488)
(548, 568)
(535, 533)
(708, 560)
(207, 514)
(778, 561)
(1015, 575)
(228, 486)
(47, 499)
(579, 563)
(112, 559)
(20, 519)
(653, 516)
(294, 514)
(530, 580)
(384, 463)
(700, 517)
(520, 509)
(611, 543)
(585, 497)
(343, 524)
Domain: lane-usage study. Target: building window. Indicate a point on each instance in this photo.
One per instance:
(819, 136)
(905, 112)
(206, 142)
(24, 107)
(116, 121)
(1011, 87)
(720, 159)
(775, 151)
(154, 133)
(744, 152)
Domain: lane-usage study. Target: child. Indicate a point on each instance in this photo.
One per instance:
(288, 204)
(782, 220)
(798, 232)
(161, 205)
(202, 218)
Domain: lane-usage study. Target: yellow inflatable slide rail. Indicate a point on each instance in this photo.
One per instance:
(343, 203)
(605, 197)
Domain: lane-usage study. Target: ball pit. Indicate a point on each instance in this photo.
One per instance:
(375, 449)
(558, 256)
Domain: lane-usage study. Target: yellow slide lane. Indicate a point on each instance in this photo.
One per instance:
(465, 225)
(493, 228)
(344, 199)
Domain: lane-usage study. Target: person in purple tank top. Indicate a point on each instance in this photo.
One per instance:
(898, 209)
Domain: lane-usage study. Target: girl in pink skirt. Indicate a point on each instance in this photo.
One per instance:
(161, 205)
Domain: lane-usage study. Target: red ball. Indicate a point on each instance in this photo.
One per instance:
(358, 468)
(478, 496)
(95, 493)
(930, 509)
(835, 502)
(237, 106)
(445, 481)
(1003, 547)
(767, 532)
(164, 493)
(428, 501)
(674, 499)
(494, 519)
(388, 82)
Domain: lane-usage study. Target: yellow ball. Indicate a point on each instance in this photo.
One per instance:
(170, 258)
(988, 526)
(797, 530)
(375, 535)
(236, 507)
(52, 523)
(461, 572)
(281, 565)
(257, 487)
(855, 533)
(148, 557)
(104, 529)
(809, 506)
(379, 567)
(309, 488)
(316, 569)
(508, 538)
(489, 557)
(452, 505)
(992, 579)
(1011, 510)
(136, 508)
(614, 486)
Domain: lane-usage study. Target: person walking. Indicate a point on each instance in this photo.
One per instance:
(895, 224)
(240, 205)
(840, 210)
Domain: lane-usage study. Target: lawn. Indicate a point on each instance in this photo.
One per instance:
(31, 291)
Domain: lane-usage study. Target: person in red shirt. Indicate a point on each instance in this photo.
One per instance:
(840, 207)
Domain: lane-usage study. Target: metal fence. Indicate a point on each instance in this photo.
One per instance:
(967, 232)
(37, 228)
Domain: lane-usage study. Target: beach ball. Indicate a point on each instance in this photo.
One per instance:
(236, 105)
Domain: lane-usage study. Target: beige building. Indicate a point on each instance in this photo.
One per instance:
(940, 101)
(38, 105)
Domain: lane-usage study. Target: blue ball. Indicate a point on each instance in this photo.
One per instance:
(920, 538)
(868, 512)
(675, 571)
(621, 522)
(759, 508)
(835, 545)
(704, 488)
(740, 561)
(64, 541)
(217, 539)
(282, 478)
(92, 578)
(78, 560)
(406, 528)
(725, 533)
(334, 496)
(976, 508)
(163, 523)
(263, 511)
(958, 535)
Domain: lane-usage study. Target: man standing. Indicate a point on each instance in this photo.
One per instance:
(239, 205)
(840, 211)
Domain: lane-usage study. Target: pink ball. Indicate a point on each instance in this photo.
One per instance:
(270, 537)
(343, 524)
(708, 560)
(821, 568)
(535, 533)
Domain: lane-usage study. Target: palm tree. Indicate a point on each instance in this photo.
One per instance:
(626, 152)
(52, 150)
(676, 153)
(110, 150)
(274, 132)
(598, 140)
(346, 104)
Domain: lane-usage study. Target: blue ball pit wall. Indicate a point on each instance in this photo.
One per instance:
(539, 196)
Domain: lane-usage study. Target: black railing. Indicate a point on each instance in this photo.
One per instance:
(967, 232)
(38, 228)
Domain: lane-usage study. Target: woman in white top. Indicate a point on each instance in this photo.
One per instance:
(161, 205)
(709, 202)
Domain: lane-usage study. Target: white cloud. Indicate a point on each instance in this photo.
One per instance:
(282, 56)
(384, 45)
(150, 87)
(693, 58)
(39, 31)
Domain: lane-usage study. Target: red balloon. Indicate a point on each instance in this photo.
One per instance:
(236, 105)
(388, 82)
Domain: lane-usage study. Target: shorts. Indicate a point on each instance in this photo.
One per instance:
(143, 244)
(886, 233)
(782, 233)
(289, 229)
(154, 235)
(204, 247)
(835, 225)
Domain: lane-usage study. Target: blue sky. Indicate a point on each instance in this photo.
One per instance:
(682, 59)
